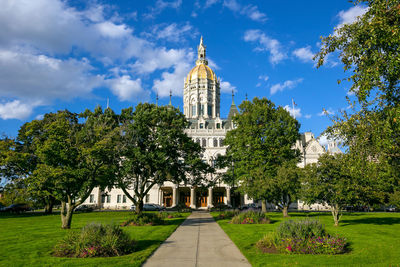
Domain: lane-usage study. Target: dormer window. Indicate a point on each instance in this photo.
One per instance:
(201, 125)
(218, 125)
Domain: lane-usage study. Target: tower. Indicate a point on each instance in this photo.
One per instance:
(201, 93)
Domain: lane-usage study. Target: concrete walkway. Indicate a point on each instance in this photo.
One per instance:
(199, 241)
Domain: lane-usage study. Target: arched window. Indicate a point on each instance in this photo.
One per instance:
(215, 142)
(221, 142)
(203, 142)
(198, 141)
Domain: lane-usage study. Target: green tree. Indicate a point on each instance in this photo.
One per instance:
(330, 182)
(369, 48)
(154, 148)
(262, 141)
(73, 157)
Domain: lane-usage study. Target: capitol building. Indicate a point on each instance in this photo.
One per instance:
(201, 106)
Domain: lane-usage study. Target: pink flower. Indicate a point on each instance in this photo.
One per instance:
(289, 248)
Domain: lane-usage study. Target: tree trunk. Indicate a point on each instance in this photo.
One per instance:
(66, 215)
(48, 209)
(335, 209)
(139, 205)
(285, 211)
(264, 206)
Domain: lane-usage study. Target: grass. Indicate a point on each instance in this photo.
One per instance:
(374, 240)
(28, 239)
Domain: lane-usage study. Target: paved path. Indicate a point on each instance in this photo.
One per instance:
(199, 241)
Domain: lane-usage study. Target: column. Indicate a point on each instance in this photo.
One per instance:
(192, 198)
(228, 195)
(174, 193)
(161, 197)
(210, 197)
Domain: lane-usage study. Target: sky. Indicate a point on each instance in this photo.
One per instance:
(72, 54)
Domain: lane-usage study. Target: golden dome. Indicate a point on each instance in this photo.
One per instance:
(201, 71)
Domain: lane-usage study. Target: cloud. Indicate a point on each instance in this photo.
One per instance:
(266, 44)
(289, 84)
(304, 54)
(294, 112)
(307, 116)
(210, 3)
(173, 32)
(171, 81)
(323, 140)
(128, 89)
(159, 7)
(212, 64)
(350, 15)
(16, 110)
(263, 77)
(326, 112)
(227, 87)
(250, 11)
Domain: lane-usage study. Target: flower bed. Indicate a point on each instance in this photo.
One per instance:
(302, 237)
(144, 219)
(227, 215)
(251, 217)
(95, 240)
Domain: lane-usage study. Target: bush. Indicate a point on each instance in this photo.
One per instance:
(227, 215)
(302, 229)
(95, 240)
(302, 237)
(220, 207)
(251, 217)
(144, 219)
(169, 215)
(181, 207)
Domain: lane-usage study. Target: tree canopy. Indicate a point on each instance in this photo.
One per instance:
(263, 140)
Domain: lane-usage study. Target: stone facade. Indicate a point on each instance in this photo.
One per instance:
(201, 99)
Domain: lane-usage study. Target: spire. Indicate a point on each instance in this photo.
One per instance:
(246, 96)
(157, 99)
(108, 102)
(233, 95)
(170, 96)
(201, 53)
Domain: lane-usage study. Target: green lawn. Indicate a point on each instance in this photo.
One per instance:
(27, 239)
(374, 240)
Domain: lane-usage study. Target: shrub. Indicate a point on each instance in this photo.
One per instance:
(300, 229)
(95, 240)
(181, 207)
(220, 207)
(144, 219)
(251, 217)
(169, 215)
(227, 215)
(302, 237)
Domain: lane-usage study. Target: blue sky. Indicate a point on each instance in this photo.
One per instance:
(75, 54)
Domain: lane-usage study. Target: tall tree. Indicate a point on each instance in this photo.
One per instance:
(154, 148)
(73, 157)
(369, 48)
(262, 141)
(330, 182)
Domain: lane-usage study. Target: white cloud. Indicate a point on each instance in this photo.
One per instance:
(171, 81)
(326, 112)
(227, 87)
(210, 3)
(212, 64)
(350, 15)
(128, 89)
(263, 77)
(250, 11)
(304, 54)
(294, 112)
(16, 110)
(289, 84)
(266, 44)
(323, 140)
(109, 29)
(159, 7)
(307, 116)
(172, 32)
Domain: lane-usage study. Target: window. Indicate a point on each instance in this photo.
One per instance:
(91, 198)
(201, 126)
(203, 142)
(123, 199)
(198, 141)
(202, 110)
(209, 110)
(108, 198)
(118, 198)
(215, 142)
(218, 125)
(147, 198)
(193, 110)
(103, 198)
(221, 142)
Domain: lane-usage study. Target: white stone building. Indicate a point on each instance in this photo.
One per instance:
(201, 106)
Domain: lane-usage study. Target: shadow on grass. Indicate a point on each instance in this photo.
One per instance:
(25, 214)
(376, 221)
(145, 244)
